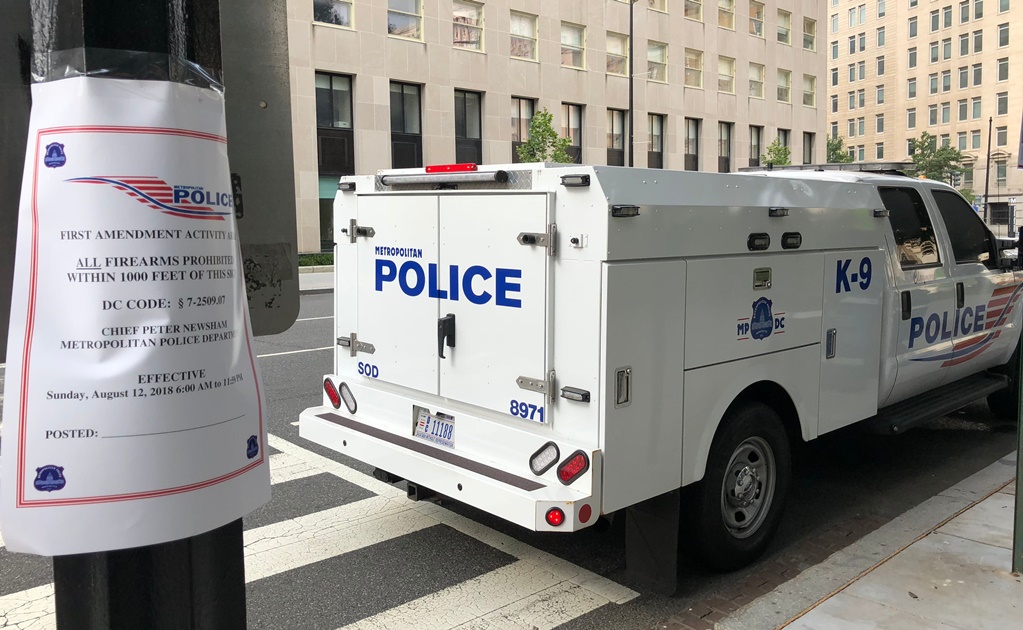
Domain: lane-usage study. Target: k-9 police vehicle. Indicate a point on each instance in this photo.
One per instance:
(553, 345)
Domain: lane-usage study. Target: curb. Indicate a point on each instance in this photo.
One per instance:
(316, 269)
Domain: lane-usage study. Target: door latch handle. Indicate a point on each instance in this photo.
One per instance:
(445, 333)
(907, 305)
(960, 295)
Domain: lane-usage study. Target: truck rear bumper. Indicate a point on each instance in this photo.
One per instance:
(518, 499)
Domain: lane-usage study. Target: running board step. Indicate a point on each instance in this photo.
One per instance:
(935, 403)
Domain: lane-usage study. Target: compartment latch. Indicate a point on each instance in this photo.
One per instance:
(355, 346)
(355, 231)
(546, 239)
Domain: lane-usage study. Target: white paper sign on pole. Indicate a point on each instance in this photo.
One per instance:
(133, 411)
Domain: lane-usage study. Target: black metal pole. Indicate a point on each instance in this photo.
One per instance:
(196, 583)
(987, 171)
(632, 12)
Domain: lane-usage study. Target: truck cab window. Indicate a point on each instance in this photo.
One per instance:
(914, 234)
(970, 240)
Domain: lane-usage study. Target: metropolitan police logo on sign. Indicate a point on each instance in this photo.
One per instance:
(49, 478)
(762, 324)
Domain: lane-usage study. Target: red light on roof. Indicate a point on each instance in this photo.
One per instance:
(468, 167)
(572, 467)
(335, 398)
(555, 517)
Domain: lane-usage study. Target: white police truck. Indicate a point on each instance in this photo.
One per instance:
(555, 344)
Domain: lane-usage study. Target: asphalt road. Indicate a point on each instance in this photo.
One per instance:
(335, 547)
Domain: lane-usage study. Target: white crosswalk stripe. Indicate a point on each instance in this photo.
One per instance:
(536, 591)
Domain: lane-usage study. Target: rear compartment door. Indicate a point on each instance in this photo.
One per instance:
(497, 292)
(397, 283)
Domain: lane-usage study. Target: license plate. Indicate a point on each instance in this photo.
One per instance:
(439, 429)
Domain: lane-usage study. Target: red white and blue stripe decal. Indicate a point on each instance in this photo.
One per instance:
(158, 195)
(999, 307)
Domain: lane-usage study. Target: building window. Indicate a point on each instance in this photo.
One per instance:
(615, 137)
(694, 68)
(852, 72)
(726, 14)
(964, 11)
(880, 8)
(852, 100)
(932, 114)
(935, 21)
(756, 19)
(784, 27)
(834, 50)
(934, 52)
(1002, 103)
(968, 175)
(334, 134)
(572, 128)
(911, 118)
(1003, 35)
(852, 152)
(1003, 69)
(964, 77)
(975, 139)
(961, 141)
(784, 86)
(658, 5)
(863, 41)
(852, 17)
(726, 75)
(978, 9)
(880, 66)
(932, 83)
(406, 126)
(522, 115)
(809, 34)
(860, 154)
(336, 12)
(1000, 173)
(879, 123)
(834, 130)
(912, 57)
(784, 137)
(834, 23)
(655, 155)
(1001, 136)
(405, 19)
(573, 45)
(834, 103)
(861, 126)
(978, 41)
(946, 113)
(809, 90)
(946, 17)
(468, 127)
(964, 111)
(863, 13)
(725, 147)
(946, 48)
(692, 148)
(523, 35)
(912, 27)
(879, 96)
(978, 74)
(879, 151)
(834, 77)
(694, 10)
(617, 54)
(756, 139)
(964, 44)
(946, 80)
(467, 25)
(808, 142)
(657, 62)
(852, 44)
(1003, 6)
(880, 37)
(756, 80)
(911, 88)
(861, 67)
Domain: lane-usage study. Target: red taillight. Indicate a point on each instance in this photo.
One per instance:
(335, 398)
(555, 517)
(571, 468)
(467, 167)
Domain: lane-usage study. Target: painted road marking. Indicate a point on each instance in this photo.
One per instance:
(278, 354)
(313, 319)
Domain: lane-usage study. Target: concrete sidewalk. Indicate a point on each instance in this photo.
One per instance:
(316, 279)
(955, 573)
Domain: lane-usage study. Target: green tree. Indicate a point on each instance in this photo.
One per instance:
(544, 144)
(836, 151)
(968, 193)
(777, 154)
(934, 162)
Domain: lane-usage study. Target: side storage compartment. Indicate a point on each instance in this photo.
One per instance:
(851, 337)
(641, 420)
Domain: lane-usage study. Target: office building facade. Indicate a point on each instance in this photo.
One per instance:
(897, 68)
(400, 83)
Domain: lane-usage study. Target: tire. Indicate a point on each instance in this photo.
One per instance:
(1004, 403)
(740, 500)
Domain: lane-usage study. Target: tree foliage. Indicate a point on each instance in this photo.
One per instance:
(777, 154)
(544, 144)
(837, 153)
(934, 162)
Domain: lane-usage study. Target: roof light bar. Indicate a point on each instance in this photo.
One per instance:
(467, 167)
(446, 178)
